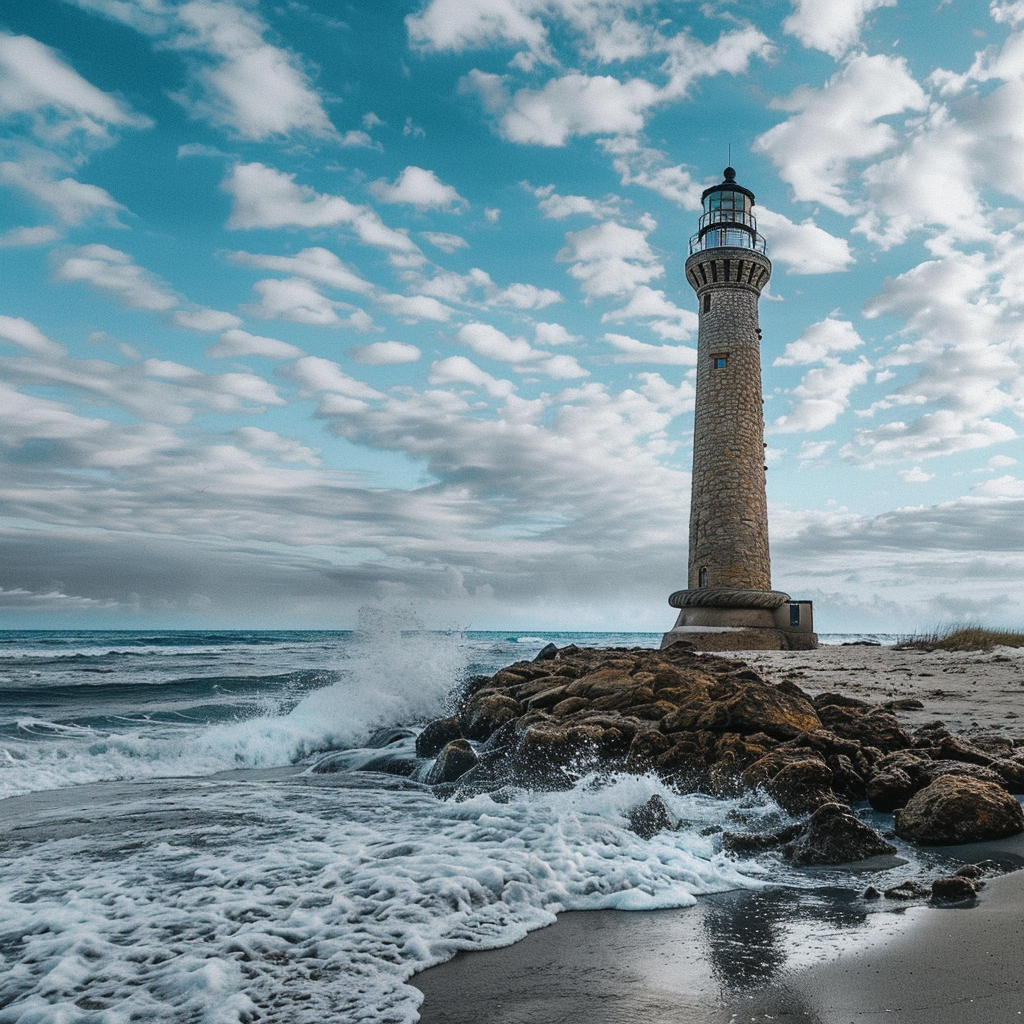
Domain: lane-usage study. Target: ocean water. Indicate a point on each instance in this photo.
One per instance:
(167, 852)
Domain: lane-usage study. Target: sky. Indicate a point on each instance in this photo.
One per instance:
(309, 306)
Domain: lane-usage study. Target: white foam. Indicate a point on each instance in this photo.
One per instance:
(393, 672)
(222, 903)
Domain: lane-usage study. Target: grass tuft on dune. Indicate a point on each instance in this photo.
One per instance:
(963, 638)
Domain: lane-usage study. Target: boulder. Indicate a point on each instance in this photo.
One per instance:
(650, 818)
(436, 735)
(959, 809)
(486, 713)
(953, 889)
(907, 891)
(742, 702)
(835, 835)
(871, 726)
(801, 786)
(457, 758)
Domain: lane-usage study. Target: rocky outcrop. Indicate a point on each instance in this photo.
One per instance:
(707, 724)
(835, 835)
(959, 809)
(457, 758)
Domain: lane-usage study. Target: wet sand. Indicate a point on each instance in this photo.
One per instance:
(770, 956)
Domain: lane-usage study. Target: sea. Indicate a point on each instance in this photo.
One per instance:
(168, 850)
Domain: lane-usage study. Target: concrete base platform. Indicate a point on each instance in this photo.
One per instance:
(700, 638)
(723, 619)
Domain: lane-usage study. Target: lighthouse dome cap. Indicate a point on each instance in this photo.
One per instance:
(728, 184)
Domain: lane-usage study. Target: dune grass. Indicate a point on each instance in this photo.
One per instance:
(963, 638)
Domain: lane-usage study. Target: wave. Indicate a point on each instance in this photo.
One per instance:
(239, 902)
(391, 675)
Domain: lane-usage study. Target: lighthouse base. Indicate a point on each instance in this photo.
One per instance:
(720, 619)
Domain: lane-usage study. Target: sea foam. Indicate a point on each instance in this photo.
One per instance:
(311, 899)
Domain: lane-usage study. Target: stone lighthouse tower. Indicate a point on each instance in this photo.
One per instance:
(728, 603)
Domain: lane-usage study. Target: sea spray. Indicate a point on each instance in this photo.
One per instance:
(102, 725)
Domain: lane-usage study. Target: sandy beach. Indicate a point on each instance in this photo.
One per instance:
(771, 956)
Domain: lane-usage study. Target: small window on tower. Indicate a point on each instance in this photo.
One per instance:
(707, 303)
(702, 576)
(718, 362)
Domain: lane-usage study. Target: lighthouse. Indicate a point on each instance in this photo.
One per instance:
(728, 602)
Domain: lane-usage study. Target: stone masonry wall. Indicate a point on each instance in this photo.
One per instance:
(728, 509)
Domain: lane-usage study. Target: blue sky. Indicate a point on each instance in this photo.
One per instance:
(305, 306)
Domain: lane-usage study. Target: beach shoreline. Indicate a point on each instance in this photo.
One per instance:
(777, 955)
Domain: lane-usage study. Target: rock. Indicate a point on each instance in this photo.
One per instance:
(650, 818)
(744, 703)
(907, 891)
(436, 735)
(485, 714)
(903, 704)
(846, 779)
(385, 737)
(953, 889)
(391, 764)
(835, 835)
(871, 893)
(872, 726)
(757, 842)
(647, 744)
(958, 809)
(974, 871)
(889, 788)
(546, 653)
(457, 758)
(802, 786)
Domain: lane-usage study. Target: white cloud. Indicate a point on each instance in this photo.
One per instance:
(524, 296)
(610, 259)
(205, 319)
(116, 273)
(931, 182)
(17, 238)
(357, 139)
(822, 396)
(630, 350)
(236, 344)
(412, 308)
(460, 370)
(265, 198)
(314, 264)
(830, 26)
(254, 89)
(576, 104)
(34, 79)
(660, 314)
(558, 207)
(804, 248)
(552, 334)
(283, 449)
(820, 341)
(26, 335)
(915, 476)
(385, 353)
(420, 188)
(317, 375)
(444, 241)
(296, 299)
(73, 201)
(840, 123)
(489, 342)
(650, 168)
